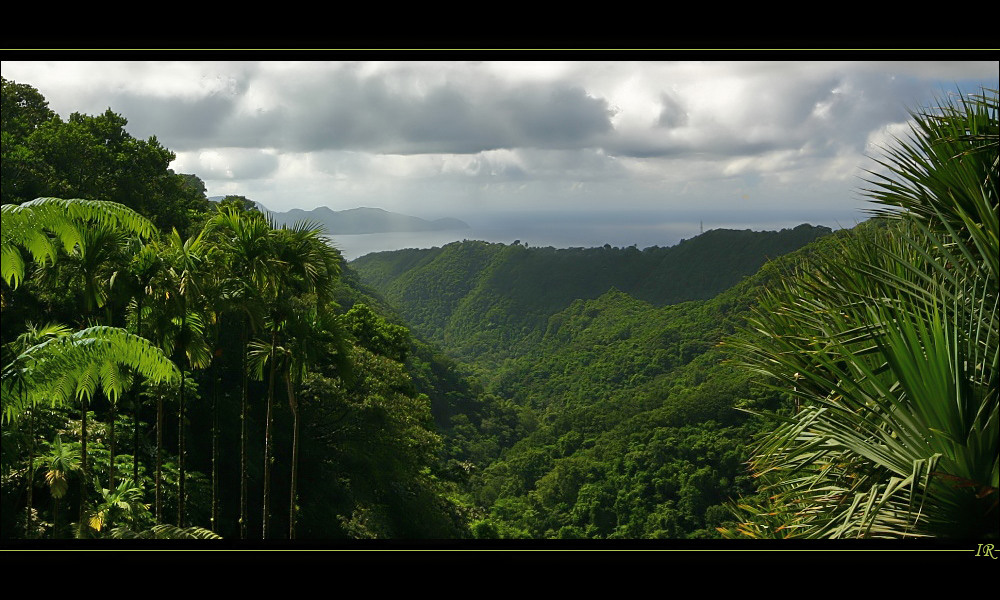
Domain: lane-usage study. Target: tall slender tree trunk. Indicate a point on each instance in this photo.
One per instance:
(268, 450)
(180, 456)
(136, 402)
(31, 472)
(135, 434)
(244, 438)
(56, 503)
(213, 519)
(84, 472)
(293, 497)
(159, 460)
(112, 473)
(181, 441)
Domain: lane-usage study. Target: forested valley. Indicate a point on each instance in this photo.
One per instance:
(175, 367)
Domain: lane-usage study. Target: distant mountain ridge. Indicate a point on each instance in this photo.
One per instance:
(356, 221)
(476, 298)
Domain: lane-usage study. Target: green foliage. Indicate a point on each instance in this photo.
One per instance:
(69, 366)
(582, 354)
(179, 291)
(91, 157)
(601, 405)
(72, 223)
(487, 302)
(58, 462)
(891, 347)
(376, 334)
(165, 532)
(372, 442)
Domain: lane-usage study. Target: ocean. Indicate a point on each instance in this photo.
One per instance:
(568, 230)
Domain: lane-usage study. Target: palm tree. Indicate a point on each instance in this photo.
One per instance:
(892, 346)
(316, 334)
(32, 336)
(73, 365)
(59, 462)
(309, 265)
(124, 501)
(42, 225)
(90, 261)
(245, 240)
(216, 305)
(309, 334)
(68, 366)
(182, 330)
(145, 265)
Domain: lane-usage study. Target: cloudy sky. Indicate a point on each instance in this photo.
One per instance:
(741, 142)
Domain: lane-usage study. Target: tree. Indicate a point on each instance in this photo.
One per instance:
(311, 334)
(58, 462)
(32, 336)
(90, 157)
(22, 110)
(87, 267)
(892, 347)
(245, 238)
(43, 225)
(143, 267)
(70, 366)
(181, 328)
(307, 264)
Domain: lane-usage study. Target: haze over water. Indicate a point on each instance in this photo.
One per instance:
(584, 229)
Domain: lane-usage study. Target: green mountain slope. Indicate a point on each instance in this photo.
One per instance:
(623, 418)
(484, 302)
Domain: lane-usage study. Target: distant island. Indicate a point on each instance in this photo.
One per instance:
(357, 221)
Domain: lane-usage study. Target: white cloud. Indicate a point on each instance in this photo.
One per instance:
(228, 163)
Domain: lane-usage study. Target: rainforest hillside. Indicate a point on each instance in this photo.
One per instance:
(622, 419)
(483, 302)
(177, 368)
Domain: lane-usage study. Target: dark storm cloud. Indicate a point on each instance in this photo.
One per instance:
(672, 112)
(346, 111)
(556, 116)
(186, 123)
(183, 105)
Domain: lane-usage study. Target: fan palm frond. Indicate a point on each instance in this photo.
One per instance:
(891, 346)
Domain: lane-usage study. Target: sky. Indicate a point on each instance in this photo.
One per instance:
(759, 144)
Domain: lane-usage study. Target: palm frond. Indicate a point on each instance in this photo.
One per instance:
(891, 346)
(69, 366)
(42, 225)
(165, 532)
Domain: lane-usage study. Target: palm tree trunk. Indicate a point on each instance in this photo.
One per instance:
(135, 407)
(293, 499)
(180, 455)
(213, 519)
(159, 460)
(31, 472)
(243, 438)
(267, 439)
(111, 444)
(84, 472)
(55, 517)
(135, 435)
